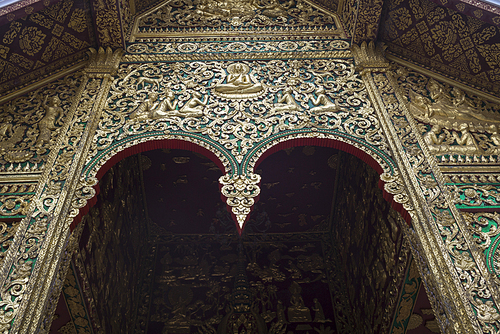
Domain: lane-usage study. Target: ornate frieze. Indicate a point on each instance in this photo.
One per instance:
(212, 17)
(457, 126)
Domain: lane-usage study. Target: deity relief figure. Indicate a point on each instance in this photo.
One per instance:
(225, 8)
(466, 140)
(276, 9)
(166, 106)
(433, 140)
(448, 107)
(298, 312)
(10, 135)
(319, 314)
(322, 102)
(154, 107)
(286, 102)
(53, 114)
(239, 84)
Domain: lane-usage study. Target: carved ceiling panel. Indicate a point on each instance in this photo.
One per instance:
(444, 40)
(44, 42)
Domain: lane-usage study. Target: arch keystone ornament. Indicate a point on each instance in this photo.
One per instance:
(240, 192)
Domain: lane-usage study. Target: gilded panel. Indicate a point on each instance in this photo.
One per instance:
(408, 297)
(458, 126)
(368, 235)
(465, 262)
(236, 104)
(29, 125)
(237, 18)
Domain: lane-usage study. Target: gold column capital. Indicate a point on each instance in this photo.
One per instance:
(370, 57)
(103, 62)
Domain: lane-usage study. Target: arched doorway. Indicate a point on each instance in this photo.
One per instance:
(322, 250)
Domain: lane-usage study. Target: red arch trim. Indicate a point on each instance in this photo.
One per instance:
(345, 147)
(139, 148)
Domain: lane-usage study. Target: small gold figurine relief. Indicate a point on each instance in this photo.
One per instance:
(286, 102)
(457, 126)
(322, 102)
(298, 312)
(155, 107)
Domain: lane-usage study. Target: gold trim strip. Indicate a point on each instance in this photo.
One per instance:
(232, 56)
(241, 34)
(15, 178)
(470, 169)
(440, 77)
(42, 82)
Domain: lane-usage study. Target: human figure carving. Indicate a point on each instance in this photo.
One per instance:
(195, 106)
(47, 124)
(467, 143)
(146, 109)
(286, 102)
(166, 106)
(495, 136)
(322, 102)
(239, 81)
(466, 139)
(319, 315)
(432, 138)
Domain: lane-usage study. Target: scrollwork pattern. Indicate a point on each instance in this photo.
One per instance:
(467, 268)
(474, 195)
(238, 121)
(195, 47)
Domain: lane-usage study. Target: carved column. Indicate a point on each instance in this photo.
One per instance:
(456, 281)
(30, 269)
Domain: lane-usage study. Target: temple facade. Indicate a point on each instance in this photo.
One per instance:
(250, 166)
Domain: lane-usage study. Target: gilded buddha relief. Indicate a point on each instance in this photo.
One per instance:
(239, 83)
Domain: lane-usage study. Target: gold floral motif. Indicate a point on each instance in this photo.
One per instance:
(31, 40)
(240, 191)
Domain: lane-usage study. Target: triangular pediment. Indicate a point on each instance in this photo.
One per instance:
(205, 18)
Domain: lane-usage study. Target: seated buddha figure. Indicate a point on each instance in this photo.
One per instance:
(238, 82)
